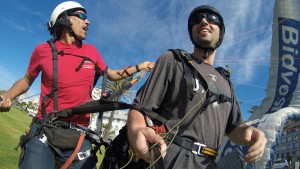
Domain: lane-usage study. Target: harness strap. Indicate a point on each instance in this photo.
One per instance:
(69, 161)
(195, 147)
(93, 107)
(186, 60)
(104, 81)
(54, 81)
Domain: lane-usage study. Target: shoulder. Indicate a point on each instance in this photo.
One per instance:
(168, 57)
(89, 47)
(225, 73)
(44, 45)
(42, 48)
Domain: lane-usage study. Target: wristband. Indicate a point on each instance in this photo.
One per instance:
(137, 68)
(125, 71)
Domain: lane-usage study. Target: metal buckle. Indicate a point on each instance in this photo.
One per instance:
(200, 147)
(83, 155)
(72, 125)
(44, 139)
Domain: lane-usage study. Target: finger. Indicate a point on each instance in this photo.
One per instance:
(254, 156)
(253, 160)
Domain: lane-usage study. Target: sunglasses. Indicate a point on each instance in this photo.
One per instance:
(79, 15)
(211, 18)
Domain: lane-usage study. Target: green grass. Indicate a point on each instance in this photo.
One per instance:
(12, 125)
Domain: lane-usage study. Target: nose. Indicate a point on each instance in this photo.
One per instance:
(204, 21)
(87, 22)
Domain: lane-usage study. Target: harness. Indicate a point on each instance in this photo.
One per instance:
(157, 122)
(50, 123)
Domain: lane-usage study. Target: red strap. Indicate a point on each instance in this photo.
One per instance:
(69, 161)
(159, 129)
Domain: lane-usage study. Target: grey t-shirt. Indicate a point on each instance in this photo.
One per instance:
(165, 92)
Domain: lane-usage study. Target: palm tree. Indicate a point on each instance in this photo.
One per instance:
(113, 86)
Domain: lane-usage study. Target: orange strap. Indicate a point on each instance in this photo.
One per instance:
(69, 161)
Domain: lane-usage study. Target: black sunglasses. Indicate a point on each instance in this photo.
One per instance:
(209, 18)
(79, 15)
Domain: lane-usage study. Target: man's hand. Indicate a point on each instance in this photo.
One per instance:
(5, 103)
(143, 139)
(257, 143)
(147, 65)
(251, 136)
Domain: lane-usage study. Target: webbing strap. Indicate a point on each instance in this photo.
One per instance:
(54, 81)
(69, 161)
(195, 147)
(185, 58)
(93, 107)
(104, 81)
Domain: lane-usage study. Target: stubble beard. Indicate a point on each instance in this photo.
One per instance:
(206, 42)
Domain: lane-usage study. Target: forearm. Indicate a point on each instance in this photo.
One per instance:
(119, 74)
(238, 135)
(19, 87)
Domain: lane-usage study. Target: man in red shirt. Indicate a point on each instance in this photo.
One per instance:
(76, 66)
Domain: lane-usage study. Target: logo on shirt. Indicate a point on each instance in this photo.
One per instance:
(88, 65)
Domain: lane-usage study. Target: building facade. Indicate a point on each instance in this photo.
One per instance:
(289, 146)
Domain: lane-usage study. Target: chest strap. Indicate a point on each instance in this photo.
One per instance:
(195, 147)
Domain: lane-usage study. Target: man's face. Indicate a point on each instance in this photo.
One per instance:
(80, 24)
(205, 30)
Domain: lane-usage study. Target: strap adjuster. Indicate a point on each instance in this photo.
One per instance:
(72, 125)
(83, 155)
(199, 147)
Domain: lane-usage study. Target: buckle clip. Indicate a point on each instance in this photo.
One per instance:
(72, 125)
(199, 149)
(83, 155)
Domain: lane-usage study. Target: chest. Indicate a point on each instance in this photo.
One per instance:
(70, 68)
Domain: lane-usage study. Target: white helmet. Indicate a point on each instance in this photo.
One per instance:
(62, 8)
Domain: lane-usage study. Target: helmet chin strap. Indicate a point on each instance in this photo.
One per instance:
(72, 32)
(67, 23)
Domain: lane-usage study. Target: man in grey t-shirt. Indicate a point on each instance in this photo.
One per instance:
(200, 131)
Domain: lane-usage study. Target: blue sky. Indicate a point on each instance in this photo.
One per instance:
(131, 31)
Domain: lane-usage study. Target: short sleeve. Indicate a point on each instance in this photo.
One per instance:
(34, 66)
(153, 92)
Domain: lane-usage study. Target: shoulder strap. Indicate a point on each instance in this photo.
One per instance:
(223, 72)
(186, 60)
(54, 81)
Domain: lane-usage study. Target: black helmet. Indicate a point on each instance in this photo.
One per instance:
(207, 9)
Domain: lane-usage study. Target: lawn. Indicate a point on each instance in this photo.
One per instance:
(12, 125)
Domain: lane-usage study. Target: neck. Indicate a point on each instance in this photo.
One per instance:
(68, 39)
(199, 52)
